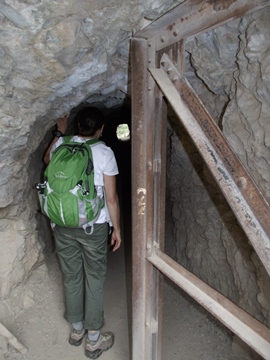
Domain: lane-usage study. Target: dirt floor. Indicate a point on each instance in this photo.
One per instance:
(44, 331)
(189, 333)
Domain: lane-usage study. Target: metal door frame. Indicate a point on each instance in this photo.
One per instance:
(156, 75)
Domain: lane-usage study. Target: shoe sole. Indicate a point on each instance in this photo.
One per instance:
(75, 342)
(97, 353)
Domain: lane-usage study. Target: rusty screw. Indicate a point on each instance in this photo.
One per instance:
(242, 182)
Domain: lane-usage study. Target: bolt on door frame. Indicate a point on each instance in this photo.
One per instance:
(155, 76)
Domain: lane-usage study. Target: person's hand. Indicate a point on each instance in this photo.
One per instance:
(115, 240)
(62, 123)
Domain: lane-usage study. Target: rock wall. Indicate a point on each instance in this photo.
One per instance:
(53, 56)
(229, 68)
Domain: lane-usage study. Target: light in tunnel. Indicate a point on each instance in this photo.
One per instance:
(122, 132)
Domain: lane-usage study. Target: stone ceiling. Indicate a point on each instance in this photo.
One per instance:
(54, 55)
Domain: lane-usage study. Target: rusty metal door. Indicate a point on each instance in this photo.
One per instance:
(157, 63)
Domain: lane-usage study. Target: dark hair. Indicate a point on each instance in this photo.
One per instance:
(89, 120)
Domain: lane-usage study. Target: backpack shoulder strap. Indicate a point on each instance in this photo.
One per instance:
(67, 138)
(92, 141)
(89, 142)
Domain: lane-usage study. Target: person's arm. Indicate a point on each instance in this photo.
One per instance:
(114, 209)
(61, 126)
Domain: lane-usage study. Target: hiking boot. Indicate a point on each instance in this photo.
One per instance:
(76, 337)
(93, 350)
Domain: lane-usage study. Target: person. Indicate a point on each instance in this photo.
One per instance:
(83, 257)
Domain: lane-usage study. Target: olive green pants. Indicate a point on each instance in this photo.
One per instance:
(83, 262)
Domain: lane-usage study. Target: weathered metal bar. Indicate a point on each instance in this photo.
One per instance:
(145, 293)
(248, 204)
(193, 17)
(159, 209)
(255, 334)
(141, 293)
(160, 170)
(181, 65)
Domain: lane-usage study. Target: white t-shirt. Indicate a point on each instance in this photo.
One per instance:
(104, 163)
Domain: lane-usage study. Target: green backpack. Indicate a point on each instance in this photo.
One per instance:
(68, 196)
